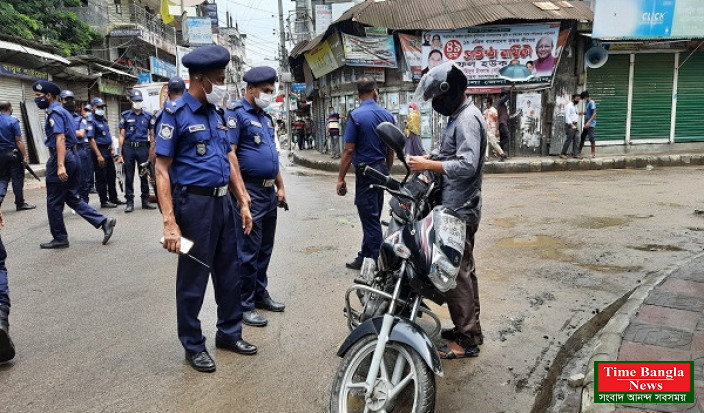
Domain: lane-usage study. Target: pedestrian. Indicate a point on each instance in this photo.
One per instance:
(571, 120)
(589, 124)
(7, 348)
(333, 130)
(299, 131)
(363, 148)
(251, 132)
(82, 147)
(194, 167)
(502, 111)
(103, 151)
(414, 146)
(134, 149)
(62, 169)
(491, 116)
(310, 137)
(13, 157)
(460, 161)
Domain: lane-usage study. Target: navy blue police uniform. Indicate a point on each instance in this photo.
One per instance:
(59, 193)
(84, 151)
(194, 136)
(9, 130)
(369, 151)
(252, 132)
(135, 149)
(105, 176)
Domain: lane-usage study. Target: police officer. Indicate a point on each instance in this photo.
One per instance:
(364, 148)
(103, 151)
(251, 132)
(82, 148)
(88, 116)
(62, 172)
(134, 148)
(12, 157)
(194, 166)
(7, 348)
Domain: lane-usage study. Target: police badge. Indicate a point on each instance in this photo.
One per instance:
(232, 122)
(201, 149)
(166, 131)
(257, 139)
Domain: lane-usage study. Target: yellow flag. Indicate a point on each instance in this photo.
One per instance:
(166, 17)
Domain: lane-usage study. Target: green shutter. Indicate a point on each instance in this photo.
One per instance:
(690, 98)
(608, 87)
(651, 114)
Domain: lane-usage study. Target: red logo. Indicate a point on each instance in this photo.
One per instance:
(453, 49)
(644, 376)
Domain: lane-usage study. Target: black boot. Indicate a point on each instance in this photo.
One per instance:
(7, 349)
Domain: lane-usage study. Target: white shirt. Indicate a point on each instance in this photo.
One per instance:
(571, 114)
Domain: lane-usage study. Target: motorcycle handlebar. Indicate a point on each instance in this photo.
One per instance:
(388, 181)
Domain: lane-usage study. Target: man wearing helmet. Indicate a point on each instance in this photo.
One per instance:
(460, 161)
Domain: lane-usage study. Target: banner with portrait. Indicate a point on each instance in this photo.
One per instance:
(482, 51)
(412, 52)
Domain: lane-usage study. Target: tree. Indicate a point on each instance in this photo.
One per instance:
(47, 21)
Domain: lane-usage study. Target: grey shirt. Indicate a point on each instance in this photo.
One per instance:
(461, 152)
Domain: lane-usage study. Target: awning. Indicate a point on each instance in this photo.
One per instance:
(30, 50)
(119, 72)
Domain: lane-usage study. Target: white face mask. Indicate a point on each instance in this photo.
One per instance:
(217, 94)
(137, 105)
(100, 112)
(264, 100)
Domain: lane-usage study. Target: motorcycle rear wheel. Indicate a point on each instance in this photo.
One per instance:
(348, 392)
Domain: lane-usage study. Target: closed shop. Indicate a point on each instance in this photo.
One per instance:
(11, 90)
(690, 99)
(608, 87)
(651, 112)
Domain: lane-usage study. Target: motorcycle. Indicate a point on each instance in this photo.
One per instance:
(389, 361)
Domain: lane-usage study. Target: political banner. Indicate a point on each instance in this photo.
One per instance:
(482, 51)
(375, 51)
(413, 53)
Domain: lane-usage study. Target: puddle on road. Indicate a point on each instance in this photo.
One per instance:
(611, 268)
(656, 247)
(504, 222)
(602, 222)
(550, 248)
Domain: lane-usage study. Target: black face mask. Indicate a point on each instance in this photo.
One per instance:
(444, 105)
(71, 107)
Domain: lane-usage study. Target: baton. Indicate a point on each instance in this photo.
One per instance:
(31, 171)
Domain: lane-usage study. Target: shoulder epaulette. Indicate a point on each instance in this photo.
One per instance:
(126, 112)
(173, 106)
(234, 105)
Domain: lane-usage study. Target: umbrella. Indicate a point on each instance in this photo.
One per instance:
(515, 72)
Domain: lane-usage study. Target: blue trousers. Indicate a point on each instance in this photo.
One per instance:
(87, 180)
(105, 176)
(4, 289)
(18, 183)
(254, 250)
(60, 193)
(133, 157)
(210, 223)
(6, 162)
(370, 203)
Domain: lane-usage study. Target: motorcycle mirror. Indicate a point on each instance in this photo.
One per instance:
(394, 139)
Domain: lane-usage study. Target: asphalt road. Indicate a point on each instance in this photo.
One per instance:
(95, 326)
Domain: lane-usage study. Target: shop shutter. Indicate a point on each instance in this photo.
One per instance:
(608, 87)
(690, 99)
(652, 96)
(11, 90)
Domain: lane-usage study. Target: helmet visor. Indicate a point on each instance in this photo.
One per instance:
(434, 83)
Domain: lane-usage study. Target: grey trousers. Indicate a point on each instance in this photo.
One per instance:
(335, 145)
(463, 300)
(571, 138)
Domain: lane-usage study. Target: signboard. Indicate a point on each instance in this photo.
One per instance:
(648, 19)
(375, 31)
(162, 68)
(413, 53)
(530, 104)
(12, 70)
(110, 87)
(198, 31)
(211, 10)
(482, 51)
(376, 73)
(144, 78)
(125, 32)
(181, 70)
(376, 51)
(323, 18)
(326, 57)
(298, 87)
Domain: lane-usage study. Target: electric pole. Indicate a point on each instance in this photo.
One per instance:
(285, 73)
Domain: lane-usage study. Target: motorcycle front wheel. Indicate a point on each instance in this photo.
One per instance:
(405, 384)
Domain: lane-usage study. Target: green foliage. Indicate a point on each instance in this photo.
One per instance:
(47, 21)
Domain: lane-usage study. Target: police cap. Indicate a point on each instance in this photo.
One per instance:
(44, 86)
(206, 58)
(65, 94)
(176, 84)
(260, 74)
(88, 107)
(136, 95)
(98, 102)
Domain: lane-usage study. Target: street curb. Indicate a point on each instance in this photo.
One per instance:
(609, 339)
(549, 165)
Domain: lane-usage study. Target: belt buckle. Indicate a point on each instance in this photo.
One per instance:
(220, 191)
(268, 183)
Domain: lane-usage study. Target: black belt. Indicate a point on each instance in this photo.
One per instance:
(360, 166)
(215, 192)
(138, 144)
(53, 150)
(259, 181)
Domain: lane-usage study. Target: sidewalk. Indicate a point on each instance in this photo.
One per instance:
(315, 160)
(663, 320)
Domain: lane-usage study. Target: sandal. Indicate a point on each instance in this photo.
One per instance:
(447, 353)
(450, 334)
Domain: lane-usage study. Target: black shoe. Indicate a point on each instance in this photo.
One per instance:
(7, 348)
(356, 264)
(118, 202)
(270, 305)
(129, 208)
(201, 361)
(240, 346)
(253, 318)
(54, 244)
(147, 205)
(93, 191)
(108, 227)
(25, 207)
(108, 205)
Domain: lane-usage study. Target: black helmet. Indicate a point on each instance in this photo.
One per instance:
(445, 85)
